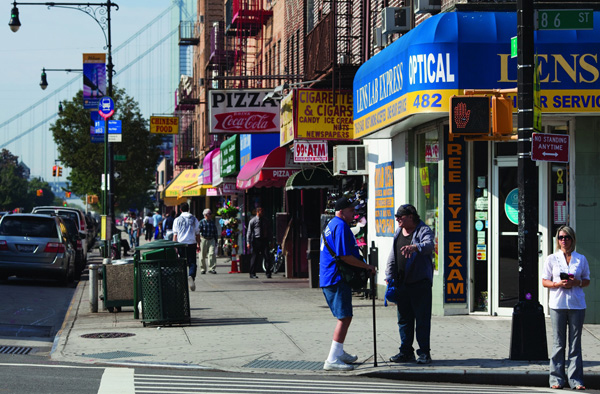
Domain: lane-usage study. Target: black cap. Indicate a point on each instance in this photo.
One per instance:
(406, 209)
(344, 203)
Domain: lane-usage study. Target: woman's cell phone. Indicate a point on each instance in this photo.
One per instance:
(564, 276)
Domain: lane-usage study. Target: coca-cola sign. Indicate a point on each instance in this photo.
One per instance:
(243, 112)
(240, 121)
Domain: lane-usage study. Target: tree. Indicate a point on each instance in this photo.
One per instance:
(13, 185)
(33, 200)
(71, 133)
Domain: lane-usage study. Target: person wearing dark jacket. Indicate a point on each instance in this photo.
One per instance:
(411, 266)
(258, 238)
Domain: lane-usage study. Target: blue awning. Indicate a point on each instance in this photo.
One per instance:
(453, 51)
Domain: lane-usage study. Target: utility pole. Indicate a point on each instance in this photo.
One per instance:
(528, 337)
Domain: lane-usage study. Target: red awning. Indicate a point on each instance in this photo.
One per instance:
(270, 170)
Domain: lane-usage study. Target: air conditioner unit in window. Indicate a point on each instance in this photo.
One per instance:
(350, 160)
(428, 6)
(395, 20)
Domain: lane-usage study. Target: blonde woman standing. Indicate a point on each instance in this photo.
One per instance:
(566, 273)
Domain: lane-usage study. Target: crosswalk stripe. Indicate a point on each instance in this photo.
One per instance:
(117, 380)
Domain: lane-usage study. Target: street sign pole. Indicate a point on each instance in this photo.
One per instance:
(528, 336)
(106, 109)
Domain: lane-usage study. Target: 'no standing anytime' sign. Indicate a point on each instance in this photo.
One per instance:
(550, 147)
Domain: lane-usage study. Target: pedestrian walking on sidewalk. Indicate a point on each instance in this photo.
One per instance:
(168, 225)
(258, 236)
(148, 227)
(566, 273)
(186, 231)
(410, 264)
(157, 223)
(208, 242)
(337, 292)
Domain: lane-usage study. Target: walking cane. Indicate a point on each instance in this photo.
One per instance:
(374, 323)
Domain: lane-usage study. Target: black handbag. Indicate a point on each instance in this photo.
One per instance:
(355, 277)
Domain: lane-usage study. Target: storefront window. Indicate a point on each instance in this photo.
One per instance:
(428, 146)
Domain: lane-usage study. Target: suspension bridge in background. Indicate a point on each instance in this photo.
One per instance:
(148, 66)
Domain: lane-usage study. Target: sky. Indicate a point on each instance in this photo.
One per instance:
(56, 38)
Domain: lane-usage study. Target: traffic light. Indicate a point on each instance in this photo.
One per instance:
(68, 194)
(64, 203)
(59, 171)
(39, 192)
(54, 170)
(502, 118)
(92, 199)
(470, 115)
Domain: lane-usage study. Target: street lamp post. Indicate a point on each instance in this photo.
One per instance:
(100, 12)
(44, 80)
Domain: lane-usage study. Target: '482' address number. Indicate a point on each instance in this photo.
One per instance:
(427, 101)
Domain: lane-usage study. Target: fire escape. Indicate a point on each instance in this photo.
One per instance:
(335, 42)
(245, 35)
(186, 101)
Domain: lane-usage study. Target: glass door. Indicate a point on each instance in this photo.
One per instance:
(505, 215)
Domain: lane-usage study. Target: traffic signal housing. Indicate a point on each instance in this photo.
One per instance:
(470, 115)
(39, 192)
(502, 117)
(54, 170)
(68, 194)
(59, 171)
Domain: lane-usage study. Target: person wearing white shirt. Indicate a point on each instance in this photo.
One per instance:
(566, 273)
(186, 230)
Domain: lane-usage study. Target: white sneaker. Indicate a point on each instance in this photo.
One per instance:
(337, 365)
(191, 283)
(348, 358)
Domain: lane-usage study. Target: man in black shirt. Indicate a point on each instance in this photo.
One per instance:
(258, 238)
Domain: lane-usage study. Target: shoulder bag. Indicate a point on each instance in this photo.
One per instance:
(355, 277)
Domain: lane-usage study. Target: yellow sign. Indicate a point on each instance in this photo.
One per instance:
(324, 115)
(164, 124)
(409, 104)
(286, 120)
(184, 179)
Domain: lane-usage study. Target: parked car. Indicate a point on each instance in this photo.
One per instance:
(75, 239)
(74, 213)
(35, 246)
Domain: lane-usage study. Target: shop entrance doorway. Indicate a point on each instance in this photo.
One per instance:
(505, 215)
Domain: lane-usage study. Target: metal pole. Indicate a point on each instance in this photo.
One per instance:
(528, 339)
(93, 268)
(110, 70)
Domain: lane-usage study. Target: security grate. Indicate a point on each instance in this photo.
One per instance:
(293, 365)
(116, 354)
(15, 350)
(107, 335)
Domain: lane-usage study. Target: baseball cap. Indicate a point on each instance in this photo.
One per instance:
(406, 209)
(344, 203)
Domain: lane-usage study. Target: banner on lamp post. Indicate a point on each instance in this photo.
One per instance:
(94, 79)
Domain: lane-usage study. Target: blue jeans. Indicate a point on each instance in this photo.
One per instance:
(189, 252)
(561, 319)
(414, 314)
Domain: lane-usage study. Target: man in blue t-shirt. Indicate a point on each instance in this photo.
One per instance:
(338, 294)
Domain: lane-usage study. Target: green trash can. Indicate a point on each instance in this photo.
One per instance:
(162, 283)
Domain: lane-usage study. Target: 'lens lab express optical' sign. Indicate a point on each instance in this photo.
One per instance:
(310, 151)
(243, 112)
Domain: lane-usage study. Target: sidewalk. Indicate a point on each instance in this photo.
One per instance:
(280, 325)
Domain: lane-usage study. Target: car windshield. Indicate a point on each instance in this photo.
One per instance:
(28, 226)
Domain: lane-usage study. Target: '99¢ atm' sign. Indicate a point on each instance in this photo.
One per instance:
(164, 124)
